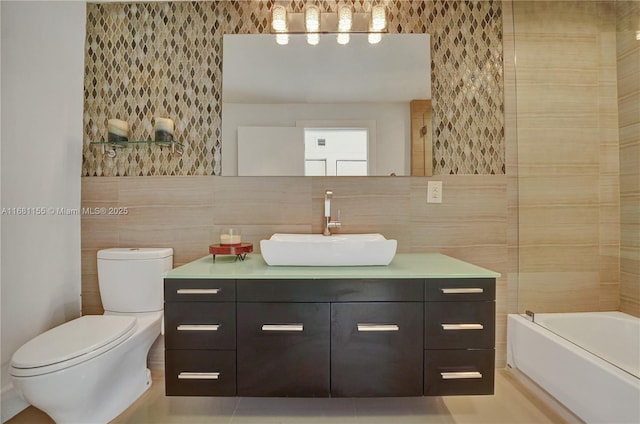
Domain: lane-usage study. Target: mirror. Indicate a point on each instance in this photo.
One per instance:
(274, 97)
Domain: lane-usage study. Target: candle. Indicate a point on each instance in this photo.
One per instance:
(230, 239)
(117, 130)
(164, 129)
(231, 236)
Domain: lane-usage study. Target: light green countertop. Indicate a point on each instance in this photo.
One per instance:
(404, 265)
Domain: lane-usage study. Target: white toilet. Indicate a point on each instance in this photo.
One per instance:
(92, 368)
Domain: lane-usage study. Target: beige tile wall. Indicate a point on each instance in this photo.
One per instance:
(567, 138)
(629, 119)
(187, 213)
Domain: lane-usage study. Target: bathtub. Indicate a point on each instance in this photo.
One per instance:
(576, 367)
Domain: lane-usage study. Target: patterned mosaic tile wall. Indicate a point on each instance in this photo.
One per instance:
(146, 60)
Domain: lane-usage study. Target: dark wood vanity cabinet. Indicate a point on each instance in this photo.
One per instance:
(329, 337)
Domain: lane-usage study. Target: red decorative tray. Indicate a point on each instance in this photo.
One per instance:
(239, 249)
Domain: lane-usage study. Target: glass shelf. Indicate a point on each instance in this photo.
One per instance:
(108, 147)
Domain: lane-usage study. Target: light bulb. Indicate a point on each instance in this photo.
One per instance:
(279, 18)
(282, 39)
(312, 18)
(343, 38)
(378, 18)
(345, 18)
(374, 37)
(313, 39)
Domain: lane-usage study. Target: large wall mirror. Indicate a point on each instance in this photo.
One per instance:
(328, 109)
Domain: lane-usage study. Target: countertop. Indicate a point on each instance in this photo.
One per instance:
(404, 265)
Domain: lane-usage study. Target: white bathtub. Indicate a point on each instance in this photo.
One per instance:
(574, 372)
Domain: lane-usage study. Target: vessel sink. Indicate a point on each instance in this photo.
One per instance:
(333, 250)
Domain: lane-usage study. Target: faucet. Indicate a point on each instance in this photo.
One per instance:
(328, 223)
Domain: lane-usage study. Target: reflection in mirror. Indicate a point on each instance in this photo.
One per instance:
(273, 95)
(335, 152)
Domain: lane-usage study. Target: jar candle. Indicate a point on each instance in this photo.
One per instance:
(230, 236)
(117, 130)
(164, 129)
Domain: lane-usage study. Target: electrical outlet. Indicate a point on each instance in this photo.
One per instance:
(434, 192)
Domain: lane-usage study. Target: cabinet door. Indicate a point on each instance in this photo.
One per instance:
(283, 349)
(376, 349)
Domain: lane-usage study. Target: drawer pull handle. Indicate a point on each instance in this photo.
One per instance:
(199, 376)
(198, 327)
(460, 375)
(378, 327)
(198, 291)
(463, 290)
(282, 327)
(449, 327)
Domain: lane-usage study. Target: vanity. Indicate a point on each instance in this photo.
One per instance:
(422, 326)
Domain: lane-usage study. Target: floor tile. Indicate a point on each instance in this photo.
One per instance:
(513, 403)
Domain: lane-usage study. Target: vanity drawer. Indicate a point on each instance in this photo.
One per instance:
(331, 290)
(283, 349)
(199, 290)
(376, 349)
(200, 325)
(459, 325)
(460, 289)
(458, 372)
(200, 373)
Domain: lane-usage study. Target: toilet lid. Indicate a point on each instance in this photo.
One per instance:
(75, 339)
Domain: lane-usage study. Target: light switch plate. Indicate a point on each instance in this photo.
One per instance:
(434, 192)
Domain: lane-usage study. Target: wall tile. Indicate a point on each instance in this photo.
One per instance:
(262, 201)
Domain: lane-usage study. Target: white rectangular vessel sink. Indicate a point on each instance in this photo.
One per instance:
(333, 250)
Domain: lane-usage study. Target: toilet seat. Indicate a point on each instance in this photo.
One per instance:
(71, 343)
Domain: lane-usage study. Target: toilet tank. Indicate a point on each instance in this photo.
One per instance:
(130, 279)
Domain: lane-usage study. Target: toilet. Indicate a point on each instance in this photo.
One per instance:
(92, 368)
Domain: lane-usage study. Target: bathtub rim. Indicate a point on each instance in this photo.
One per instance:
(616, 315)
(572, 346)
(557, 381)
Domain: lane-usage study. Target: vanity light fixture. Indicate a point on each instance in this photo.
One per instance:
(279, 18)
(377, 24)
(374, 36)
(279, 24)
(312, 18)
(282, 39)
(344, 21)
(378, 18)
(312, 24)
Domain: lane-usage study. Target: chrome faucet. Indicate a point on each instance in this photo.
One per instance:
(328, 223)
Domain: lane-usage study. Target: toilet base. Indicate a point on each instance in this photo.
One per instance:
(98, 390)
